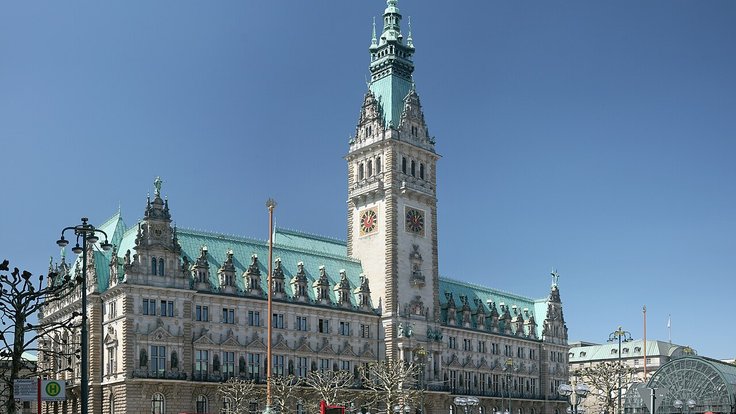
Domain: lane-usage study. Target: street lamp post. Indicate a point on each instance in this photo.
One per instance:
(421, 357)
(581, 391)
(509, 365)
(622, 336)
(467, 403)
(88, 233)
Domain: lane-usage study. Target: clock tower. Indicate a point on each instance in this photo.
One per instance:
(392, 199)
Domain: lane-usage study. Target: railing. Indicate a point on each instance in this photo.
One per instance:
(172, 375)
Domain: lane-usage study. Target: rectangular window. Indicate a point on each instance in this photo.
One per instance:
(202, 313)
(158, 359)
(254, 366)
(324, 364)
(467, 345)
(301, 323)
(482, 346)
(228, 315)
(111, 310)
(167, 308)
(301, 367)
(201, 362)
(532, 354)
(453, 380)
(520, 352)
(533, 386)
(323, 325)
(277, 320)
(452, 342)
(365, 331)
(228, 364)
(494, 348)
(278, 365)
(254, 318)
(345, 328)
(508, 351)
(345, 366)
(149, 306)
(111, 366)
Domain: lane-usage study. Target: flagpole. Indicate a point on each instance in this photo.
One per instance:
(669, 327)
(644, 310)
(271, 205)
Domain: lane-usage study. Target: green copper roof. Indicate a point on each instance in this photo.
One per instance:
(391, 66)
(537, 308)
(390, 92)
(310, 242)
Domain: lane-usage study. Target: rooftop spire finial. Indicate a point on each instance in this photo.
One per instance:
(374, 41)
(409, 40)
(157, 185)
(555, 277)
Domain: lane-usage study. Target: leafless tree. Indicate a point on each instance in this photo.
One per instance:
(240, 393)
(603, 380)
(391, 383)
(330, 386)
(286, 391)
(22, 300)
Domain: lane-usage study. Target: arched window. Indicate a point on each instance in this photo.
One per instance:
(158, 403)
(452, 409)
(201, 404)
(370, 168)
(403, 165)
(413, 169)
(421, 171)
(161, 267)
(360, 171)
(378, 165)
(153, 266)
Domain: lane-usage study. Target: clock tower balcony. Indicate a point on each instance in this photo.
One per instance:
(370, 187)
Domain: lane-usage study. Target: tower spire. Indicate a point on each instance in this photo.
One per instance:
(391, 65)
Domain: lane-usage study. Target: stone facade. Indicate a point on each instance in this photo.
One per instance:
(174, 312)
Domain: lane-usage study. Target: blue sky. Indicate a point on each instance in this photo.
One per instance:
(594, 137)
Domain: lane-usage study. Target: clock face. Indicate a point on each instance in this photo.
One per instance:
(368, 221)
(414, 221)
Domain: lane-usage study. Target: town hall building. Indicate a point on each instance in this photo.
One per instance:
(173, 312)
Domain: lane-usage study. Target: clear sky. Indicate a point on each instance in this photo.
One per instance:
(596, 137)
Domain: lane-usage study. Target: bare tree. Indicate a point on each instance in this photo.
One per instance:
(286, 392)
(21, 301)
(239, 393)
(391, 383)
(330, 386)
(603, 380)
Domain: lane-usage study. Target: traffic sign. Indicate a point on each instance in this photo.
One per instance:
(53, 390)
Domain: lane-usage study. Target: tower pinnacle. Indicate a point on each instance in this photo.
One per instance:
(391, 65)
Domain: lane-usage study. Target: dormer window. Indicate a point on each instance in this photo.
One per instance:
(614, 351)
(625, 351)
(637, 349)
(583, 353)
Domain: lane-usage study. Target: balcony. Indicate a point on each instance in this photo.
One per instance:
(169, 375)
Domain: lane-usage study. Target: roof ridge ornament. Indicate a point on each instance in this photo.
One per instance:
(157, 185)
(555, 277)
(374, 40)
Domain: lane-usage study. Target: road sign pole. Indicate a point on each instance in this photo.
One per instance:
(39, 395)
